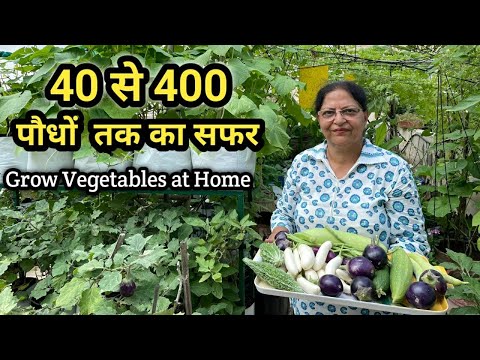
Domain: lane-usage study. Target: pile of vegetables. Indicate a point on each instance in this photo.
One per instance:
(331, 263)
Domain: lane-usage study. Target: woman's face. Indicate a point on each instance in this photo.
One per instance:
(341, 119)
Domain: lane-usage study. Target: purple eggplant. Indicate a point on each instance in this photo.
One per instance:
(330, 285)
(281, 240)
(421, 295)
(283, 244)
(362, 288)
(281, 235)
(376, 255)
(435, 279)
(361, 266)
(127, 287)
(330, 256)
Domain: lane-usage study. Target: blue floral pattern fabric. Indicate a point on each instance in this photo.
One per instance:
(377, 197)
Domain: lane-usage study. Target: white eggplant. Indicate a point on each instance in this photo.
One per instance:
(296, 257)
(290, 262)
(333, 265)
(312, 276)
(307, 256)
(307, 286)
(321, 256)
(320, 273)
(346, 287)
(344, 275)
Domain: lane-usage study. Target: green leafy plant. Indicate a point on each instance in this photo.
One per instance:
(468, 270)
(86, 249)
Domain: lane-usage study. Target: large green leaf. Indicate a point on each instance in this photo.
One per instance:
(89, 266)
(49, 64)
(115, 111)
(4, 264)
(441, 206)
(220, 50)
(465, 310)
(8, 301)
(237, 106)
(71, 292)
(424, 170)
(390, 144)
(459, 134)
(445, 146)
(204, 59)
(284, 84)
(150, 257)
(466, 103)
(194, 221)
(238, 48)
(111, 281)
(274, 132)
(240, 72)
(162, 55)
(381, 133)
(163, 304)
(461, 189)
(41, 288)
(60, 267)
(200, 289)
(96, 113)
(217, 290)
(261, 65)
(477, 135)
(70, 54)
(451, 167)
(184, 231)
(293, 109)
(12, 104)
(42, 105)
(91, 301)
(136, 241)
(476, 219)
(219, 307)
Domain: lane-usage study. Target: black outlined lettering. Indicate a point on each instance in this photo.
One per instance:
(126, 84)
(190, 85)
(71, 85)
(206, 179)
(14, 179)
(37, 133)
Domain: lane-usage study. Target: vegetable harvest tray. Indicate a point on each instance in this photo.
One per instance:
(344, 299)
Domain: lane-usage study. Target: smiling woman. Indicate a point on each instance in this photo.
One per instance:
(348, 184)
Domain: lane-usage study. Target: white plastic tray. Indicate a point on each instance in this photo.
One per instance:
(343, 299)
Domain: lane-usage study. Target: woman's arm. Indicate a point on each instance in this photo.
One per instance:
(407, 223)
(275, 231)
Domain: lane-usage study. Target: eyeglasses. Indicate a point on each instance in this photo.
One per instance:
(348, 113)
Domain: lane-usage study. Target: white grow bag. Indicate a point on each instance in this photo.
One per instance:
(163, 161)
(11, 156)
(225, 161)
(89, 164)
(50, 160)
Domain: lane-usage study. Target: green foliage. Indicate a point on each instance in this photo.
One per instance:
(437, 83)
(469, 271)
(75, 242)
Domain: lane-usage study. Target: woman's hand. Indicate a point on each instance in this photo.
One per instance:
(275, 231)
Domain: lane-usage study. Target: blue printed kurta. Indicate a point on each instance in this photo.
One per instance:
(377, 197)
